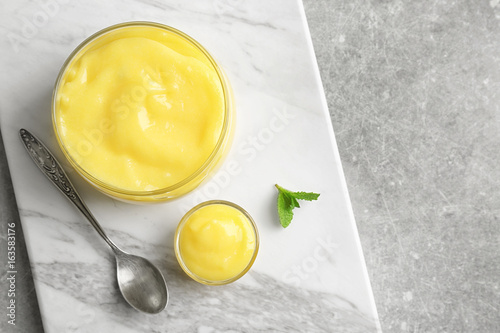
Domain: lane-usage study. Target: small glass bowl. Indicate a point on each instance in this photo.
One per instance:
(193, 180)
(178, 252)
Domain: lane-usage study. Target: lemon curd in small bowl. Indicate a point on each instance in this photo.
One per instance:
(142, 111)
(216, 242)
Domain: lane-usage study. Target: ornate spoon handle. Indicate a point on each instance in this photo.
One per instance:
(48, 164)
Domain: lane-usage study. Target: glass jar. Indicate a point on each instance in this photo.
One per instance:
(216, 242)
(84, 134)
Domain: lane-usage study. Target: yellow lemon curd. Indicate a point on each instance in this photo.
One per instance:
(216, 242)
(141, 111)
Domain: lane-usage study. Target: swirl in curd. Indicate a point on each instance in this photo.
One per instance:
(140, 108)
(216, 242)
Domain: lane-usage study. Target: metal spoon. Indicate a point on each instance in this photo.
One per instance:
(141, 283)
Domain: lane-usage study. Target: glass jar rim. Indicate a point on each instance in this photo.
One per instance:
(183, 222)
(207, 163)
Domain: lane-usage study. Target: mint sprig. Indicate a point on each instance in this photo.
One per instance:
(287, 201)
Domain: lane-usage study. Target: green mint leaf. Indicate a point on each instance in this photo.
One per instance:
(309, 196)
(282, 190)
(295, 203)
(284, 210)
(287, 201)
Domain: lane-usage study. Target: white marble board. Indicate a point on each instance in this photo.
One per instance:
(310, 277)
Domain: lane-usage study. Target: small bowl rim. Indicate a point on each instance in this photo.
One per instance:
(211, 160)
(183, 221)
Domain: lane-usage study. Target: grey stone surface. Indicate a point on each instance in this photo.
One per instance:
(18, 299)
(413, 88)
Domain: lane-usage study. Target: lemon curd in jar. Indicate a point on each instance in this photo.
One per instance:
(216, 242)
(142, 111)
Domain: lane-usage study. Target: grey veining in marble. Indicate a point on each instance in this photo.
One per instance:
(310, 277)
(281, 307)
(413, 91)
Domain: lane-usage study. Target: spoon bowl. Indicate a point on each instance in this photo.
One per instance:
(141, 283)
